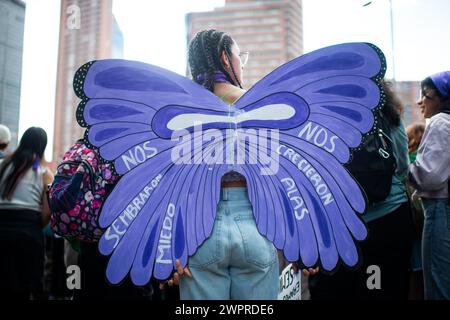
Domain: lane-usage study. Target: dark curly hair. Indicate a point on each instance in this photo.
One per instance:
(393, 108)
(205, 50)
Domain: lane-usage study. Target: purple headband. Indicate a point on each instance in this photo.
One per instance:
(442, 82)
(218, 76)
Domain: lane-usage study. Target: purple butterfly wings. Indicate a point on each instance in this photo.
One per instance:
(312, 111)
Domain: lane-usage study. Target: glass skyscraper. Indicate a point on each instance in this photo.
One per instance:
(12, 21)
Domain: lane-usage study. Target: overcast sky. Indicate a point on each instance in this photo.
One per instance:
(154, 32)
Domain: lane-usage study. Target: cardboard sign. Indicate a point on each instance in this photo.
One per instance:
(290, 284)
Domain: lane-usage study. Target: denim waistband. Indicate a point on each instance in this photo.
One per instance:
(234, 194)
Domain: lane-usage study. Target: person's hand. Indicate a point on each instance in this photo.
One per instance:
(310, 271)
(179, 272)
(306, 272)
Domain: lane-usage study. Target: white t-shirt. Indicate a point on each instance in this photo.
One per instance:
(28, 193)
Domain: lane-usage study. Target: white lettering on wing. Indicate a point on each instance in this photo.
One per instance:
(165, 237)
(138, 155)
(319, 136)
(310, 173)
(119, 226)
(279, 111)
(294, 195)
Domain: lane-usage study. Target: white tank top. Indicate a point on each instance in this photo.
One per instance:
(28, 193)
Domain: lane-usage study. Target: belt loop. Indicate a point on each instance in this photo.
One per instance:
(225, 194)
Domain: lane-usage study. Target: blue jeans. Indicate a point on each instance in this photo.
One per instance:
(236, 262)
(436, 249)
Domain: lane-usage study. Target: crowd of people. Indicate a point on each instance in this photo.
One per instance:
(409, 230)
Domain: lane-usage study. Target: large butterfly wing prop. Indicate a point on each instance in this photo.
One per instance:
(323, 103)
(160, 200)
(164, 206)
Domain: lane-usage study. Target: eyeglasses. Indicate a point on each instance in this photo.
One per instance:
(244, 57)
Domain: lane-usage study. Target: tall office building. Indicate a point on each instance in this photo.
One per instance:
(408, 92)
(12, 21)
(271, 30)
(88, 31)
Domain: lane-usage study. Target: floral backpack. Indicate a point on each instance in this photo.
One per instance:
(77, 193)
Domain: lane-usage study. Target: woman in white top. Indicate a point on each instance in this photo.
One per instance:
(24, 212)
(430, 174)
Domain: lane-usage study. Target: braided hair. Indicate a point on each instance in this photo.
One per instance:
(205, 50)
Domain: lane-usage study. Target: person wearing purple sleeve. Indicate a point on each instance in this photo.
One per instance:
(429, 174)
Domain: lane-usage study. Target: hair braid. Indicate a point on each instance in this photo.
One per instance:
(210, 65)
(227, 48)
(204, 56)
